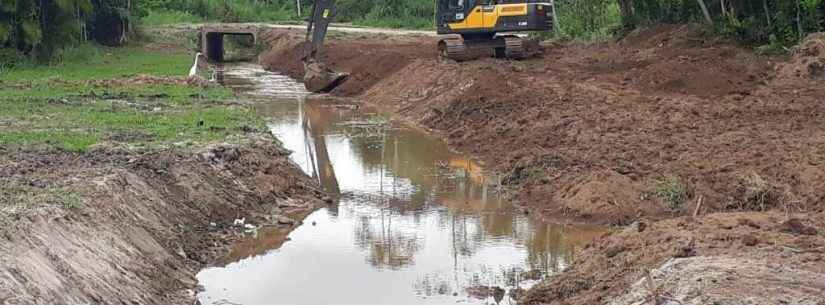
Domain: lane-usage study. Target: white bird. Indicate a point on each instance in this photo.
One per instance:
(194, 70)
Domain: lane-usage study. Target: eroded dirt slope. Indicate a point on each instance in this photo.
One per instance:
(725, 258)
(143, 224)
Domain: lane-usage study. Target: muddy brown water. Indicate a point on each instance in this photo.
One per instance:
(414, 222)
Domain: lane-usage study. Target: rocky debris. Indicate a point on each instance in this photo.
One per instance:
(239, 222)
(637, 226)
(222, 153)
(686, 249)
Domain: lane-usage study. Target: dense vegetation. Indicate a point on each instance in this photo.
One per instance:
(41, 29)
(407, 13)
(778, 22)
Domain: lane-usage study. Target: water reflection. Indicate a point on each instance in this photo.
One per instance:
(415, 223)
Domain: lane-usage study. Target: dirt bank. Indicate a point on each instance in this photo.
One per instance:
(664, 123)
(725, 258)
(111, 226)
(369, 58)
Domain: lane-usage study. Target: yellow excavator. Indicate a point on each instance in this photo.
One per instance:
(470, 29)
(480, 24)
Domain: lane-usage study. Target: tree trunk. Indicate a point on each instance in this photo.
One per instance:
(626, 8)
(298, 2)
(724, 10)
(705, 11)
(767, 12)
(799, 20)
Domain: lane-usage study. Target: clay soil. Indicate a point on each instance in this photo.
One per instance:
(144, 223)
(662, 124)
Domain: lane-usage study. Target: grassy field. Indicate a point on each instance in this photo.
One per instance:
(125, 96)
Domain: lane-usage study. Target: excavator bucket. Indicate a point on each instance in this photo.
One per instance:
(318, 77)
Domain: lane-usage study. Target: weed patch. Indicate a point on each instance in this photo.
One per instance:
(672, 191)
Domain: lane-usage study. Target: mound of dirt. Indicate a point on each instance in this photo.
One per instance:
(605, 194)
(808, 61)
(726, 280)
(145, 224)
(367, 60)
(732, 258)
(678, 59)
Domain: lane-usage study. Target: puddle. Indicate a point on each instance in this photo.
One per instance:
(415, 222)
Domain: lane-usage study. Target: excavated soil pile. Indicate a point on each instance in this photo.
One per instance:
(367, 60)
(730, 258)
(808, 61)
(144, 224)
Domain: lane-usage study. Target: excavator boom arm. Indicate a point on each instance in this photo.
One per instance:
(323, 11)
(318, 77)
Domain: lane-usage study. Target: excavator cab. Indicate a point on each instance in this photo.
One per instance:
(478, 22)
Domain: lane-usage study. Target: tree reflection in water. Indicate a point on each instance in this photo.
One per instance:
(415, 222)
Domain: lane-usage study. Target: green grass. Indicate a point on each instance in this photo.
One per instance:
(107, 63)
(165, 17)
(55, 90)
(396, 23)
(223, 11)
(78, 126)
(90, 97)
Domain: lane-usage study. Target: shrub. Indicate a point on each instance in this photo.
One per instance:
(672, 191)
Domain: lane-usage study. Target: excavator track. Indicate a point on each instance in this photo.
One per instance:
(510, 46)
(453, 48)
(514, 47)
